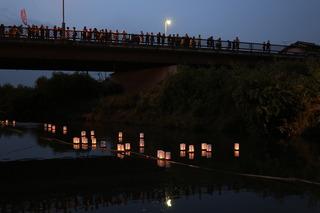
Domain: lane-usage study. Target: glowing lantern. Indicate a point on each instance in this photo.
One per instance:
(76, 146)
(120, 135)
(191, 148)
(141, 150)
(183, 147)
(236, 154)
(65, 129)
(92, 133)
(141, 143)
(13, 123)
(161, 154)
(83, 134)
(168, 155)
(141, 135)
(127, 146)
(120, 147)
(204, 146)
(53, 128)
(103, 144)
(182, 154)
(76, 140)
(191, 155)
(120, 140)
(49, 126)
(236, 146)
(203, 153)
(209, 148)
(45, 126)
(7, 122)
(84, 140)
(94, 141)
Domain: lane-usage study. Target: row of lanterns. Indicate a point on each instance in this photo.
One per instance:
(8, 123)
(52, 128)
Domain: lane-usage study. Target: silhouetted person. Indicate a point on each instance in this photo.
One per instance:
(199, 41)
(47, 33)
(264, 46)
(147, 39)
(237, 43)
(268, 47)
(84, 34)
(163, 39)
(2, 31)
(229, 44)
(74, 34)
(42, 32)
(142, 41)
(152, 39)
(158, 38)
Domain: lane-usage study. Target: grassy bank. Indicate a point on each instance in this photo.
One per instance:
(279, 99)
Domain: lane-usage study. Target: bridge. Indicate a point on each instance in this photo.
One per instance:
(40, 48)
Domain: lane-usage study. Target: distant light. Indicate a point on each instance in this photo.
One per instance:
(168, 22)
(169, 202)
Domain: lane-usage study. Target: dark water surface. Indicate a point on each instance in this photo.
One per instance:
(192, 182)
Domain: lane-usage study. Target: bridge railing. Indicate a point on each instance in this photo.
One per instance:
(138, 40)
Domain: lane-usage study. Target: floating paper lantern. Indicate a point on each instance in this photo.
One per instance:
(236, 154)
(168, 155)
(53, 128)
(93, 141)
(191, 155)
(127, 146)
(84, 140)
(191, 148)
(141, 142)
(183, 147)
(103, 144)
(120, 147)
(49, 126)
(120, 135)
(236, 146)
(141, 135)
(65, 129)
(7, 122)
(76, 140)
(45, 125)
(204, 146)
(83, 133)
(183, 154)
(161, 154)
(13, 123)
(203, 153)
(209, 148)
(92, 133)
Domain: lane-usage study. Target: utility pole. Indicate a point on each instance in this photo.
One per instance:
(63, 21)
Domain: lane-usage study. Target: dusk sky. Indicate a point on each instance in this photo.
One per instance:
(281, 21)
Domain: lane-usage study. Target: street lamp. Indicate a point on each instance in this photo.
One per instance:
(167, 23)
(63, 21)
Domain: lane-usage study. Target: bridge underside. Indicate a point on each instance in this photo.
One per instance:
(66, 55)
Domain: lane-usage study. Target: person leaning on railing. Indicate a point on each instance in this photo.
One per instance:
(2, 31)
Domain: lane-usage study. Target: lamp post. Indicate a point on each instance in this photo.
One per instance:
(63, 21)
(167, 23)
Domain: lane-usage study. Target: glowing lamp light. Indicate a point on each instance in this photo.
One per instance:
(76, 140)
(127, 146)
(141, 135)
(13, 123)
(236, 154)
(49, 126)
(236, 146)
(168, 155)
(53, 128)
(92, 133)
(168, 202)
(141, 142)
(83, 133)
(45, 126)
(120, 135)
(191, 148)
(209, 148)
(161, 154)
(94, 141)
(7, 122)
(168, 22)
(204, 146)
(103, 144)
(183, 154)
(183, 147)
(65, 129)
(84, 140)
(120, 147)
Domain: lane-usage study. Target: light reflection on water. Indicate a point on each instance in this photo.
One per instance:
(182, 196)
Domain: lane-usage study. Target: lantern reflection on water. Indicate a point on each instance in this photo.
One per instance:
(168, 155)
(183, 147)
(128, 153)
(204, 146)
(236, 146)
(183, 154)
(84, 140)
(103, 144)
(84, 146)
(76, 146)
(209, 154)
(236, 154)
(141, 150)
(209, 148)
(203, 153)
(94, 146)
(163, 163)
(49, 126)
(53, 131)
(127, 146)
(120, 140)
(120, 147)
(141, 142)
(191, 155)
(191, 148)
(161, 154)
(93, 140)
(76, 140)
(13, 123)
(65, 129)
(120, 155)
(53, 128)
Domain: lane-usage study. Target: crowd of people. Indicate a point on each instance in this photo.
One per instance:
(116, 37)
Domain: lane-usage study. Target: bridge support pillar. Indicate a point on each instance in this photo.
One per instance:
(140, 80)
